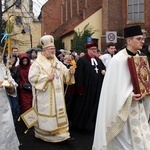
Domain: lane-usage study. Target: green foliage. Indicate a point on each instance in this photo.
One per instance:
(58, 43)
(39, 46)
(80, 38)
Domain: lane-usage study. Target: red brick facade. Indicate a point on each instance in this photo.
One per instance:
(51, 16)
(60, 15)
(115, 19)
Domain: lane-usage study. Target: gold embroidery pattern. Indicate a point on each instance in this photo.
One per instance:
(135, 131)
(62, 124)
(143, 74)
(61, 117)
(50, 132)
(61, 113)
(37, 79)
(134, 113)
(58, 89)
(30, 117)
(48, 116)
(51, 99)
(121, 118)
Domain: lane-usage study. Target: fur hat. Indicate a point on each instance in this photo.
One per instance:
(91, 45)
(46, 41)
(132, 31)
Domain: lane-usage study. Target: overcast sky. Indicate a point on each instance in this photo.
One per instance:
(37, 4)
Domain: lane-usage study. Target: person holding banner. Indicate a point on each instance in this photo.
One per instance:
(47, 76)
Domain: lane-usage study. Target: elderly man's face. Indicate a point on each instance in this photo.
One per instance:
(92, 51)
(49, 52)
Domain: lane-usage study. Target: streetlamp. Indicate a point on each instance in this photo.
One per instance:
(27, 28)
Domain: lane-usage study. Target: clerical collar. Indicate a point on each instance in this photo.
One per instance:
(93, 61)
(130, 53)
(109, 54)
(89, 57)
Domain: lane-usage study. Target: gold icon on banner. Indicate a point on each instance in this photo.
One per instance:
(58, 89)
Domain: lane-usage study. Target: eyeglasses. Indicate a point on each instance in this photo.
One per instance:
(93, 48)
(141, 39)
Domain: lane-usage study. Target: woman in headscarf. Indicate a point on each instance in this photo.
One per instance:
(25, 95)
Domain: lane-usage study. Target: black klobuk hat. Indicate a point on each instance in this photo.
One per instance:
(132, 31)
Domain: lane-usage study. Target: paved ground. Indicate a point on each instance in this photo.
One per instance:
(82, 140)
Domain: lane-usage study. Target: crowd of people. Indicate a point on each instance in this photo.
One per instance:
(89, 91)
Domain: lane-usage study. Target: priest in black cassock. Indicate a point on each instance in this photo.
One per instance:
(88, 81)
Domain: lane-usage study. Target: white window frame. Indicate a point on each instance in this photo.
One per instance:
(135, 11)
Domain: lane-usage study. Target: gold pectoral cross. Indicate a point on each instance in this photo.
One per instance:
(54, 68)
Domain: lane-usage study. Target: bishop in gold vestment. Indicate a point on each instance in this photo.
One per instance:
(47, 76)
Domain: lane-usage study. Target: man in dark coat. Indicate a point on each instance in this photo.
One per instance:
(88, 81)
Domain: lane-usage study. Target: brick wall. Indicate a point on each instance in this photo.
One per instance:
(114, 13)
(53, 23)
(145, 24)
(51, 16)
